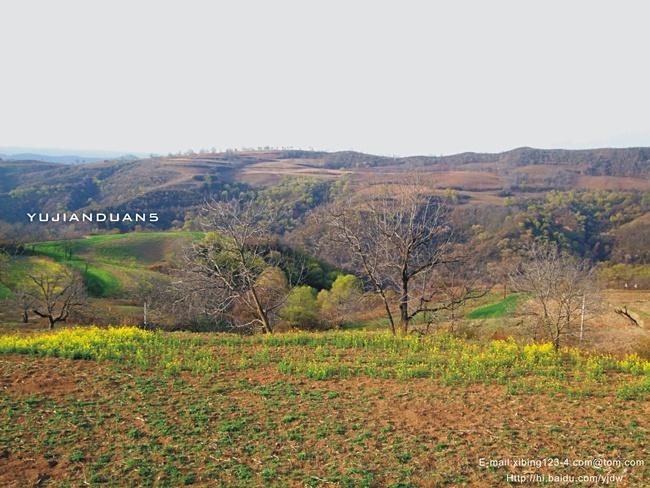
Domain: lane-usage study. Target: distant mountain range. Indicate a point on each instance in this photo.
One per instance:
(63, 156)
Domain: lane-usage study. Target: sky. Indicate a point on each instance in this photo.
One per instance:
(393, 78)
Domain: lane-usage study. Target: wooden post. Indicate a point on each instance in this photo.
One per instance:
(582, 317)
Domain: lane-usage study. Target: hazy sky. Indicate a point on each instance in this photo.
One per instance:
(402, 77)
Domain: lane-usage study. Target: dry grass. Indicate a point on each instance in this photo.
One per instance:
(619, 183)
(268, 173)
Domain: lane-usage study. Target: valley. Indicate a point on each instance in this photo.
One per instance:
(158, 372)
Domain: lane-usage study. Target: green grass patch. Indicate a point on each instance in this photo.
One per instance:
(112, 263)
(98, 281)
(5, 292)
(496, 310)
(20, 267)
(140, 248)
(135, 248)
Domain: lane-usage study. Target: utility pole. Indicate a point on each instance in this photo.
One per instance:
(582, 317)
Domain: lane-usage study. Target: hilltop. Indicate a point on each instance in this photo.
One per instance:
(176, 185)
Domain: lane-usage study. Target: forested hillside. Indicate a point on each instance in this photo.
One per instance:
(176, 185)
(593, 206)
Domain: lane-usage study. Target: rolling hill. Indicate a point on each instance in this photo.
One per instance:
(112, 265)
(173, 185)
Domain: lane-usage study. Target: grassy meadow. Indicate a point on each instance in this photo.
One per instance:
(112, 264)
(127, 407)
(497, 309)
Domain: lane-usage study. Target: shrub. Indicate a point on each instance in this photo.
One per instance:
(643, 349)
(339, 303)
(301, 309)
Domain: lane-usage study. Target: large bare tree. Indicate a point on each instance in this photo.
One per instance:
(563, 289)
(235, 265)
(402, 240)
(56, 294)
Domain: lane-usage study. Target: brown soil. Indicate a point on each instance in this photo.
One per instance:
(453, 426)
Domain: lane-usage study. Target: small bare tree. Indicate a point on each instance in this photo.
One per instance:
(233, 264)
(562, 287)
(401, 240)
(459, 281)
(56, 295)
(150, 292)
(188, 299)
(24, 301)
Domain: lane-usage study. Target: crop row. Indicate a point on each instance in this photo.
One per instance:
(331, 355)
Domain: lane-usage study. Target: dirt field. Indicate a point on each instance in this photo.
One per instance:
(271, 172)
(79, 422)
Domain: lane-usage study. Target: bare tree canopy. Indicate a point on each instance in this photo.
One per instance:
(24, 301)
(56, 295)
(235, 264)
(403, 242)
(562, 287)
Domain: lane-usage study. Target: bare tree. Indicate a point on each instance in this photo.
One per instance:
(562, 287)
(458, 281)
(57, 294)
(150, 292)
(233, 264)
(24, 301)
(401, 240)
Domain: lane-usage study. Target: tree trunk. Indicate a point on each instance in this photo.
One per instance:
(51, 321)
(266, 324)
(582, 317)
(404, 305)
(403, 320)
(261, 313)
(25, 317)
(556, 342)
(388, 312)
